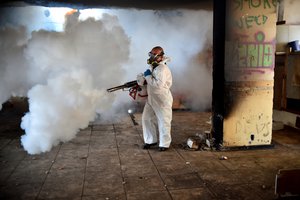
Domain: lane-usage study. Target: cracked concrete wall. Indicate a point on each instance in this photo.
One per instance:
(249, 71)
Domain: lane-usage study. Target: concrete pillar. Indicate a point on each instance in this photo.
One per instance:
(250, 32)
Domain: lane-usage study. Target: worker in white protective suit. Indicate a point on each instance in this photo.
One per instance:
(157, 114)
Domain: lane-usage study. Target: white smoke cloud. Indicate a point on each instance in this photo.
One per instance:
(66, 72)
(13, 65)
(59, 109)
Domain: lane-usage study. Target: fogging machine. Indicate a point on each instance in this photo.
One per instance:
(128, 85)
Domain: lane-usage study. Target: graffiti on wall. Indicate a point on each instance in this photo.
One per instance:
(250, 21)
(256, 54)
(253, 4)
(250, 48)
(259, 125)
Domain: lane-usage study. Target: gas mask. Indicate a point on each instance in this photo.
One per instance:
(152, 60)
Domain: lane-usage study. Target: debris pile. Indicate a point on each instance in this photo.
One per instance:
(201, 141)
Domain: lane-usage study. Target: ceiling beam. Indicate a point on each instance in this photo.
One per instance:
(138, 4)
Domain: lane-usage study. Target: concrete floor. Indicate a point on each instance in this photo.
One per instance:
(106, 161)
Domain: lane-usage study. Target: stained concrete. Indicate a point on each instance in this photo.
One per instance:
(106, 161)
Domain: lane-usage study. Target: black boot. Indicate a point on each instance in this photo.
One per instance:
(147, 146)
(163, 148)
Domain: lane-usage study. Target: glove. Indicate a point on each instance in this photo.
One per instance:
(140, 79)
(147, 72)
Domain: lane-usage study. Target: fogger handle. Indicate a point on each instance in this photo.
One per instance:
(122, 87)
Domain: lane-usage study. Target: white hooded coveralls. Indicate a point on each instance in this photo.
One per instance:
(157, 114)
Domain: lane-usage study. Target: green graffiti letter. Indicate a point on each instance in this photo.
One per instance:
(252, 55)
(238, 4)
(242, 55)
(268, 55)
